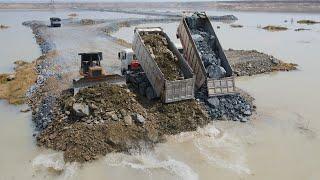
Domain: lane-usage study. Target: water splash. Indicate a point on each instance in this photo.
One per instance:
(54, 165)
(218, 148)
(222, 149)
(149, 163)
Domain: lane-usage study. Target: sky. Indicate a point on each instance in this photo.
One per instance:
(45, 1)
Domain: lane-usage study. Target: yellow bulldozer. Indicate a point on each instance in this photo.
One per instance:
(92, 72)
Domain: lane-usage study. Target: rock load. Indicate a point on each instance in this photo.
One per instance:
(205, 44)
(109, 118)
(232, 107)
(96, 121)
(167, 61)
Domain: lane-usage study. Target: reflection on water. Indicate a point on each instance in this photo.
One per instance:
(282, 142)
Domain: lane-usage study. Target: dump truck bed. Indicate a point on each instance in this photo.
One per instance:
(215, 87)
(169, 91)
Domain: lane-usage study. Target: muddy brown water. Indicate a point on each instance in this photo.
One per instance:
(282, 142)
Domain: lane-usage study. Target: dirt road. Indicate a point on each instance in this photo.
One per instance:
(70, 39)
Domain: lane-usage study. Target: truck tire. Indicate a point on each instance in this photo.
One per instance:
(150, 93)
(143, 88)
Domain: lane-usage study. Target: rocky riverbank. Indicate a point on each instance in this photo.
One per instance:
(252, 62)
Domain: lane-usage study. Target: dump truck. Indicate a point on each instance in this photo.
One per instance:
(92, 73)
(219, 81)
(134, 74)
(55, 22)
(168, 90)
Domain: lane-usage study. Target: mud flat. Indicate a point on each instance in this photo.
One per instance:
(273, 28)
(2, 26)
(308, 22)
(72, 15)
(236, 26)
(14, 87)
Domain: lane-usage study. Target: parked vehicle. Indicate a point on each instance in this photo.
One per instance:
(55, 22)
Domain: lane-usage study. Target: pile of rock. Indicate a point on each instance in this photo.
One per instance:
(224, 18)
(97, 120)
(252, 62)
(236, 107)
(103, 104)
(167, 61)
(109, 118)
(87, 21)
(230, 107)
(206, 45)
(42, 115)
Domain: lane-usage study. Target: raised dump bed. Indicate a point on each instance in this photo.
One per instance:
(205, 55)
(172, 80)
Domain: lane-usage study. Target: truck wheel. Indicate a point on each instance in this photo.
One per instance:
(143, 88)
(150, 93)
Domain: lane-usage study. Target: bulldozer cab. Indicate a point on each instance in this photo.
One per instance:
(90, 64)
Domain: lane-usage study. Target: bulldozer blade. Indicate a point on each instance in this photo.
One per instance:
(87, 82)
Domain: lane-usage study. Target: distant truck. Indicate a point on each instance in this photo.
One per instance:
(55, 22)
(215, 86)
(168, 91)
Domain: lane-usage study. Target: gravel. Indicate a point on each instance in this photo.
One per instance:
(235, 107)
(252, 62)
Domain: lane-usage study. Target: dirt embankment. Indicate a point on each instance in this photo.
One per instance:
(252, 62)
(72, 15)
(2, 26)
(273, 28)
(307, 21)
(110, 118)
(14, 87)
